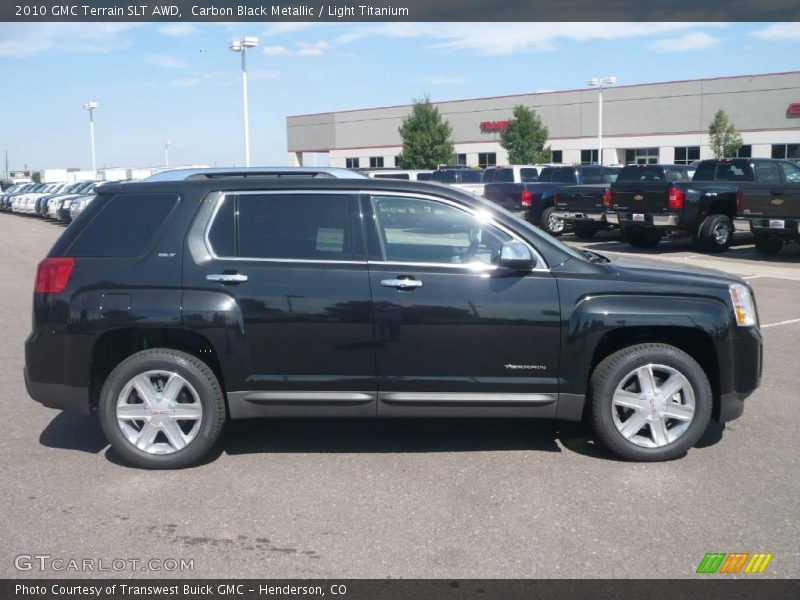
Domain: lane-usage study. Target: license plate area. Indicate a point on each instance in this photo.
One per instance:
(777, 224)
(638, 217)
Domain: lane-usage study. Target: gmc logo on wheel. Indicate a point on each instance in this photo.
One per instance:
(794, 109)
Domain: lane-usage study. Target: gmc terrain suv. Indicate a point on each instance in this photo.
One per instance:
(172, 305)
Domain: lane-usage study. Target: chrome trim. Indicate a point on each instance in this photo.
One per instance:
(401, 284)
(227, 277)
(483, 398)
(309, 397)
(594, 216)
(612, 218)
(665, 220)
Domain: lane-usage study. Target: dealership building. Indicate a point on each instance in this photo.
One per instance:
(648, 123)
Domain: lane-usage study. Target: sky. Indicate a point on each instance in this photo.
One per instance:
(179, 82)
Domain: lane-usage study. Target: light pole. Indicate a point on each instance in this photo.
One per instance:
(599, 83)
(166, 152)
(241, 45)
(90, 106)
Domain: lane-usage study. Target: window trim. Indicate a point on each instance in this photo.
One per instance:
(541, 265)
(221, 200)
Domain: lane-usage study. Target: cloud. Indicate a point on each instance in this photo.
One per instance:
(166, 61)
(443, 80)
(197, 78)
(263, 75)
(277, 51)
(778, 31)
(177, 29)
(16, 38)
(697, 40)
(304, 49)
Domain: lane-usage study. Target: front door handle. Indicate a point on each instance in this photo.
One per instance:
(227, 277)
(401, 284)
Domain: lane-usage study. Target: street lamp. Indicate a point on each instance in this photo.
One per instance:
(241, 45)
(166, 152)
(599, 83)
(90, 106)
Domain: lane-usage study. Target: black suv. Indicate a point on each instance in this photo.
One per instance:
(170, 306)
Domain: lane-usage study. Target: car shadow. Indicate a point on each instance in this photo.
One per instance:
(73, 431)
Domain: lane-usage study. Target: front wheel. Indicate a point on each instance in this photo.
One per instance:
(768, 246)
(162, 409)
(552, 224)
(650, 402)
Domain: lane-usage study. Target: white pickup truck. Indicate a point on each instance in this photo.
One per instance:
(505, 174)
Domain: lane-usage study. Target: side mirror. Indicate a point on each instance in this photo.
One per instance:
(516, 255)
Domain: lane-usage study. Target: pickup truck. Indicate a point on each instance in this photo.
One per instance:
(504, 174)
(583, 207)
(772, 205)
(535, 201)
(459, 178)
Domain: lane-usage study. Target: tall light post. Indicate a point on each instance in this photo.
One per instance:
(166, 152)
(599, 83)
(90, 106)
(241, 45)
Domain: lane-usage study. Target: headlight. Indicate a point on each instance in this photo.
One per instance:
(743, 307)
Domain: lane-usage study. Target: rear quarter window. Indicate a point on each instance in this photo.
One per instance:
(124, 226)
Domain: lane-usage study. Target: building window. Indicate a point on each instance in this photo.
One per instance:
(786, 151)
(461, 159)
(557, 156)
(641, 156)
(487, 159)
(396, 160)
(686, 155)
(351, 163)
(588, 157)
(744, 151)
(376, 162)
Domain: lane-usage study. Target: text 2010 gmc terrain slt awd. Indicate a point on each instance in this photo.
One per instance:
(172, 305)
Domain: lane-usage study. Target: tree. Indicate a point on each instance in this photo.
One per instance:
(426, 138)
(525, 138)
(724, 138)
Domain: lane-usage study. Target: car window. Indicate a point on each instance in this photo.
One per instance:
(419, 230)
(444, 176)
(424, 176)
(610, 175)
(504, 175)
(791, 173)
(488, 176)
(528, 175)
(768, 172)
(471, 176)
(294, 226)
(592, 175)
(391, 176)
(558, 175)
(724, 171)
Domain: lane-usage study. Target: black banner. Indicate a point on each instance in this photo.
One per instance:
(398, 10)
(396, 589)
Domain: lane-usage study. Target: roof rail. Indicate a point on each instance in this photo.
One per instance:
(254, 172)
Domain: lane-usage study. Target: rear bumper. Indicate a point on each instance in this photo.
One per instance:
(645, 220)
(784, 229)
(59, 396)
(569, 216)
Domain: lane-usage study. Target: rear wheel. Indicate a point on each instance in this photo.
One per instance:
(584, 232)
(768, 246)
(639, 237)
(650, 402)
(550, 223)
(162, 409)
(715, 233)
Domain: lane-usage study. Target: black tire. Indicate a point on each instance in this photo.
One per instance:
(584, 232)
(714, 234)
(768, 246)
(609, 374)
(639, 237)
(549, 225)
(195, 372)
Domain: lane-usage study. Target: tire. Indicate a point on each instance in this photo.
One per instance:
(196, 391)
(641, 237)
(715, 233)
(584, 233)
(552, 225)
(676, 435)
(768, 246)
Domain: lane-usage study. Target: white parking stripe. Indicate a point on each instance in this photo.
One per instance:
(780, 323)
(749, 277)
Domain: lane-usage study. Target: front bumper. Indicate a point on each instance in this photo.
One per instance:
(747, 364)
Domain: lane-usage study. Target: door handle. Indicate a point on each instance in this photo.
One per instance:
(227, 277)
(401, 284)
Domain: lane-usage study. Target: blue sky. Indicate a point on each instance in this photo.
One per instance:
(180, 82)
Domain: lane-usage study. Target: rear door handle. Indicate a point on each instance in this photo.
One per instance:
(227, 277)
(401, 284)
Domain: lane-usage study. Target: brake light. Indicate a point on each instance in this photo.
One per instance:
(525, 198)
(52, 275)
(676, 198)
(739, 199)
(608, 198)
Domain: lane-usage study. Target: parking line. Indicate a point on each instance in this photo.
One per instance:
(749, 277)
(788, 322)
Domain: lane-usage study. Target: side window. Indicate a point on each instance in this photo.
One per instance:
(592, 175)
(287, 226)
(419, 230)
(791, 173)
(528, 175)
(768, 172)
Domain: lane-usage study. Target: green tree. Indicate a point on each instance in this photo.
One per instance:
(725, 140)
(525, 137)
(426, 138)
(36, 177)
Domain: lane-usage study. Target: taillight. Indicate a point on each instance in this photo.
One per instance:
(525, 198)
(675, 198)
(52, 275)
(739, 199)
(608, 198)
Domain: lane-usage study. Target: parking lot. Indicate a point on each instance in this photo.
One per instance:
(404, 499)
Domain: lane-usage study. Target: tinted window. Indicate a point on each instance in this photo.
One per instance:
(505, 175)
(294, 226)
(488, 176)
(391, 176)
(643, 173)
(610, 175)
(526, 175)
(417, 230)
(424, 176)
(471, 176)
(592, 175)
(768, 172)
(791, 172)
(124, 226)
(724, 171)
(445, 176)
(564, 175)
(222, 235)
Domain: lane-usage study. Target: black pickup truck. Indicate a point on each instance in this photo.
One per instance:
(583, 207)
(772, 204)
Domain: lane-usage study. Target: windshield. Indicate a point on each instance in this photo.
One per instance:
(558, 175)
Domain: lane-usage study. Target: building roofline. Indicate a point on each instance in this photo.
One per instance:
(583, 89)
